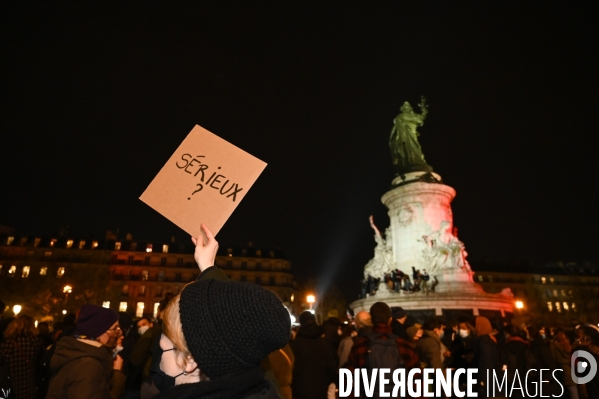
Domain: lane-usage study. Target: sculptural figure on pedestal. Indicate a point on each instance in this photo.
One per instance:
(382, 262)
(406, 152)
(444, 250)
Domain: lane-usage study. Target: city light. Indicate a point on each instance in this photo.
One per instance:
(67, 289)
(311, 299)
(16, 309)
(519, 305)
(64, 312)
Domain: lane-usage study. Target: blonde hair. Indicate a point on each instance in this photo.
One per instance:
(22, 324)
(173, 329)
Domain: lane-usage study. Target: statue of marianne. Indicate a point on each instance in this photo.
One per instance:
(406, 153)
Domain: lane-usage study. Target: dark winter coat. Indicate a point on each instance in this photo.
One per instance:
(486, 358)
(315, 367)
(246, 385)
(83, 370)
(21, 355)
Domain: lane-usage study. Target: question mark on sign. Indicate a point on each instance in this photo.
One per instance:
(199, 189)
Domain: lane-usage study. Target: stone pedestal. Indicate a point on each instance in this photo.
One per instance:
(422, 236)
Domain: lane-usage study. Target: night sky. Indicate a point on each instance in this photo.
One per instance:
(95, 99)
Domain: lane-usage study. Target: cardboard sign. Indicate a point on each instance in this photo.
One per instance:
(202, 182)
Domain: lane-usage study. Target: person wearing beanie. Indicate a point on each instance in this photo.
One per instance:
(315, 365)
(399, 322)
(206, 351)
(486, 353)
(83, 364)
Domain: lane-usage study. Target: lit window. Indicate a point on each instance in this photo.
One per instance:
(258, 252)
(94, 244)
(165, 249)
(69, 243)
(9, 240)
(12, 271)
(25, 273)
(125, 289)
(563, 292)
(139, 309)
(106, 304)
(156, 305)
(480, 277)
(566, 306)
(47, 254)
(543, 280)
(574, 307)
(117, 246)
(144, 275)
(149, 248)
(81, 244)
(558, 307)
(123, 307)
(550, 306)
(60, 272)
(142, 290)
(36, 242)
(53, 242)
(292, 297)
(43, 271)
(551, 280)
(555, 294)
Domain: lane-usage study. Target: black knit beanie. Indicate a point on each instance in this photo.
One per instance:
(231, 326)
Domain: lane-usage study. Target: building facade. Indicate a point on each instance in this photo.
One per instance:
(50, 276)
(555, 294)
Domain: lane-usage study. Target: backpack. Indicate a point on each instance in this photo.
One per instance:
(383, 353)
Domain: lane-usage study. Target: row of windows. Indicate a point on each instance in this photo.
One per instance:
(117, 246)
(139, 307)
(558, 307)
(12, 271)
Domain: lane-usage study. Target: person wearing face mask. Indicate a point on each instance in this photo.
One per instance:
(207, 352)
(83, 364)
(431, 350)
(141, 355)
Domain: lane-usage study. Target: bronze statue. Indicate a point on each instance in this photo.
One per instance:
(406, 153)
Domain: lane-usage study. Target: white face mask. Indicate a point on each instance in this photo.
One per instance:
(142, 330)
(464, 333)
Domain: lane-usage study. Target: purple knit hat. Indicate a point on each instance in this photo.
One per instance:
(94, 320)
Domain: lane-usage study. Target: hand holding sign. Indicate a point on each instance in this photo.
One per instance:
(205, 251)
(202, 182)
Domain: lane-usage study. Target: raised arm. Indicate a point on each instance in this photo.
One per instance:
(205, 251)
(376, 230)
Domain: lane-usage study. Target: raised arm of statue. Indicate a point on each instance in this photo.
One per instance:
(376, 230)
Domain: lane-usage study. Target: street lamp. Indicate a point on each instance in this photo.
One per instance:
(311, 299)
(16, 309)
(519, 305)
(67, 290)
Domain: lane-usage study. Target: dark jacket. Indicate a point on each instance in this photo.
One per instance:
(315, 367)
(399, 329)
(486, 357)
(245, 385)
(429, 349)
(83, 370)
(21, 355)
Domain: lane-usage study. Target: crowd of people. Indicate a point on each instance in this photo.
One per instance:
(226, 339)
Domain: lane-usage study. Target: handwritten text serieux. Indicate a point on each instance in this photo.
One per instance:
(195, 167)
